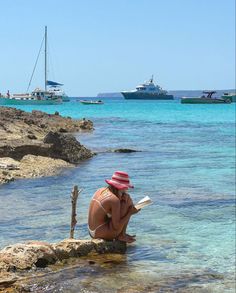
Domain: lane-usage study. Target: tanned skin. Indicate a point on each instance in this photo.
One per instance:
(119, 205)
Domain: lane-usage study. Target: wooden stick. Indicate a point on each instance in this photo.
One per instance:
(74, 195)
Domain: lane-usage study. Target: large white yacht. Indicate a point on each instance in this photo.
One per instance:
(147, 91)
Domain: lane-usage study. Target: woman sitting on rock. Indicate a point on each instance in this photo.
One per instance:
(110, 210)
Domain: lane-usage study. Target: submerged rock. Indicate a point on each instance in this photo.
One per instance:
(125, 151)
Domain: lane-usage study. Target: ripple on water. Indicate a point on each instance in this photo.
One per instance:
(185, 240)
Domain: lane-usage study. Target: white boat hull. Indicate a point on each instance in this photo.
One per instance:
(91, 102)
(12, 101)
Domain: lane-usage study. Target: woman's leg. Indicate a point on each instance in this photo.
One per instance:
(124, 207)
(107, 231)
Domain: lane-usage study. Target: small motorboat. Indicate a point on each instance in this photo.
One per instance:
(231, 96)
(205, 99)
(86, 102)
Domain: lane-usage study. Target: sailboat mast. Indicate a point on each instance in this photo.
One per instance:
(45, 65)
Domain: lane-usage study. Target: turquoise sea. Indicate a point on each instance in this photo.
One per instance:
(186, 164)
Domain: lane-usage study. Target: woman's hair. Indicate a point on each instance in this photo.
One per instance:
(116, 190)
(113, 190)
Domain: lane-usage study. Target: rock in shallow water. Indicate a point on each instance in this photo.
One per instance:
(23, 256)
(125, 151)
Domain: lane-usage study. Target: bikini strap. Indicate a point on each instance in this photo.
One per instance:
(105, 193)
(99, 200)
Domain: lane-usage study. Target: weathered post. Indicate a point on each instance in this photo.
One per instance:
(74, 195)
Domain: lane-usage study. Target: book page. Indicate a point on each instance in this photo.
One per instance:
(143, 202)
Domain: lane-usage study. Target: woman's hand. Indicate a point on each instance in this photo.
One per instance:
(125, 196)
(133, 210)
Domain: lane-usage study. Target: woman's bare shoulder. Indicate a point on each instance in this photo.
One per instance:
(99, 191)
(110, 195)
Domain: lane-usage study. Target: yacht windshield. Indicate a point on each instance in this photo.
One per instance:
(141, 88)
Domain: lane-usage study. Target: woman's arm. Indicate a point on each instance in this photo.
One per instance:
(116, 220)
(130, 203)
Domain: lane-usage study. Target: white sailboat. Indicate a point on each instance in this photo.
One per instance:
(53, 95)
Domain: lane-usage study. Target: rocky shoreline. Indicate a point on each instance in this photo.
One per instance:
(34, 145)
(35, 257)
(38, 144)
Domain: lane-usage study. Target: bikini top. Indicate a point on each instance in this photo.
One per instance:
(106, 193)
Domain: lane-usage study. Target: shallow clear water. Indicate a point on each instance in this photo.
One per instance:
(186, 164)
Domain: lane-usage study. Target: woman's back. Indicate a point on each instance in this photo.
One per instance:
(100, 207)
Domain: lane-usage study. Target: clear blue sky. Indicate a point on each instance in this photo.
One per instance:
(113, 45)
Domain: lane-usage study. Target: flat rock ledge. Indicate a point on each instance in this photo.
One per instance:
(36, 254)
(38, 134)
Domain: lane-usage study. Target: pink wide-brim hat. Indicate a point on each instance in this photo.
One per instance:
(119, 180)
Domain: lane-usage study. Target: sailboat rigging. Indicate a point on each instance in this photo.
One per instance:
(51, 96)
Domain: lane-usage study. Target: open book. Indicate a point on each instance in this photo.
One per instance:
(143, 202)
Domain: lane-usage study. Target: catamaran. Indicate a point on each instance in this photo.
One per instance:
(53, 95)
(55, 88)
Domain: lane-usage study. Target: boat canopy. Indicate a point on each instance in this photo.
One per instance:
(209, 92)
(53, 83)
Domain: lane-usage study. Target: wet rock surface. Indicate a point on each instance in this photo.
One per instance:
(34, 256)
(24, 256)
(38, 134)
(125, 151)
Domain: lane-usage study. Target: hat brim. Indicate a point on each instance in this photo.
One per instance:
(118, 185)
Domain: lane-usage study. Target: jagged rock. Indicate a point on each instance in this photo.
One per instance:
(17, 124)
(73, 248)
(31, 259)
(31, 136)
(7, 279)
(102, 246)
(5, 178)
(62, 130)
(23, 133)
(25, 256)
(18, 149)
(86, 124)
(8, 164)
(66, 147)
